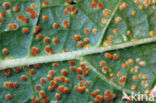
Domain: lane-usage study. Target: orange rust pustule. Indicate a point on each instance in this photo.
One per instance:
(80, 89)
(46, 100)
(73, 69)
(18, 69)
(77, 37)
(108, 55)
(102, 63)
(52, 72)
(105, 69)
(124, 66)
(43, 80)
(31, 71)
(123, 6)
(15, 85)
(64, 72)
(6, 5)
(79, 70)
(50, 88)
(47, 48)
(100, 5)
(98, 98)
(61, 78)
(45, 3)
(49, 77)
(16, 8)
(74, 12)
(34, 51)
(122, 79)
(55, 40)
(152, 33)
(72, 62)
(7, 72)
(106, 43)
(42, 94)
(11, 85)
(39, 36)
(63, 89)
(46, 40)
(52, 82)
(5, 51)
(12, 26)
(66, 80)
(1, 20)
(24, 77)
(35, 100)
(32, 13)
(108, 96)
(70, 10)
(88, 83)
(38, 87)
(106, 12)
(115, 57)
(6, 84)
(87, 31)
(8, 97)
(22, 19)
(25, 30)
(80, 77)
(96, 4)
(57, 79)
(118, 20)
(56, 25)
(2, 14)
(86, 40)
(95, 93)
(55, 65)
(66, 12)
(66, 24)
(80, 44)
(115, 31)
(95, 1)
(67, 3)
(37, 66)
(45, 18)
(93, 5)
(111, 37)
(81, 83)
(58, 96)
(37, 29)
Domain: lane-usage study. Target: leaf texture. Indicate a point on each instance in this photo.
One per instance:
(81, 51)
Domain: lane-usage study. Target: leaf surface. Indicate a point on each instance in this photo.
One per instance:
(107, 44)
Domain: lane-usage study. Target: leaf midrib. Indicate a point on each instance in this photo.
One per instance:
(70, 55)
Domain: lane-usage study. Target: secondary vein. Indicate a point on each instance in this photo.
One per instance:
(103, 31)
(102, 76)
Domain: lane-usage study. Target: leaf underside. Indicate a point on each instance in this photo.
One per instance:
(94, 49)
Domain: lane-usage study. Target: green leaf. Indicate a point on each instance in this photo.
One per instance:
(86, 47)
